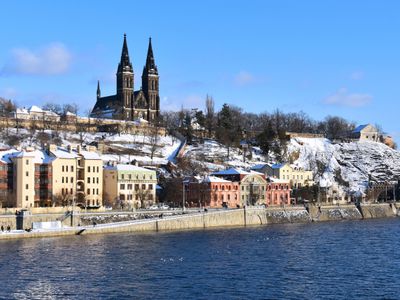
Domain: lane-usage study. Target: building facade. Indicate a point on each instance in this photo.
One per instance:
(297, 176)
(50, 177)
(212, 192)
(277, 192)
(365, 132)
(129, 186)
(129, 104)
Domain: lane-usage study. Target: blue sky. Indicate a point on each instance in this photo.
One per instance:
(321, 57)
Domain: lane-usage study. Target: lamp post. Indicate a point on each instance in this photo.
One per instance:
(183, 195)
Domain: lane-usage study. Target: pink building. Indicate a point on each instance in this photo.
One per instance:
(277, 192)
(212, 192)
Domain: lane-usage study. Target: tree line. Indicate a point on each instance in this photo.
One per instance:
(231, 125)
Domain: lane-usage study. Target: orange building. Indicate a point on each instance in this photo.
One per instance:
(212, 192)
(277, 192)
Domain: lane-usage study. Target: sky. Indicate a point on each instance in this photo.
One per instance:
(320, 57)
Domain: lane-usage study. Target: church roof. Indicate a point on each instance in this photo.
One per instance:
(104, 103)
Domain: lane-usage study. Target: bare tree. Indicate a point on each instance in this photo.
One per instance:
(210, 115)
(154, 138)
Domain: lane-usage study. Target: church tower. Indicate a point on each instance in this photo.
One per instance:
(150, 85)
(125, 88)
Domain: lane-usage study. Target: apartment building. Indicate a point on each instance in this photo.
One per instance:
(129, 186)
(298, 177)
(252, 184)
(54, 176)
(212, 192)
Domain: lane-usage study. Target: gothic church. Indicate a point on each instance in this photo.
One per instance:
(129, 104)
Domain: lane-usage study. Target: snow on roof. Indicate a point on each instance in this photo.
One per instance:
(215, 179)
(278, 166)
(50, 113)
(35, 108)
(68, 113)
(90, 155)
(231, 171)
(277, 180)
(63, 153)
(39, 156)
(22, 111)
(5, 156)
(121, 167)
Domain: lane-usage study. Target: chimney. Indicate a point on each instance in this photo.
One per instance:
(69, 148)
(52, 147)
(78, 148)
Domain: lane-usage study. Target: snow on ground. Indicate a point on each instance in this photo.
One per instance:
(349, 165)
(129, 146)
(214, 155)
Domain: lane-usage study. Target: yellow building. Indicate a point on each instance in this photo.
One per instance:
(64, 167)
(24, 179)
(90, 177)
(297, 176)
(129, 186)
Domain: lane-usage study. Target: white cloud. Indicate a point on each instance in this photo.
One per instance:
(244, 78)
(357, 75)
(52, 59)
(343, 98)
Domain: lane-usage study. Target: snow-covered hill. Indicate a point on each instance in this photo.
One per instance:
(350, 165)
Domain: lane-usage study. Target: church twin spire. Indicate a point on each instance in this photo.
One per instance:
(150, 62)
(127, 103)
(125, 63)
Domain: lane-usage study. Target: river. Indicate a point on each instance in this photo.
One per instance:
(342, 260)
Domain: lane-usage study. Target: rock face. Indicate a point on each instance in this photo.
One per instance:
(347, 165)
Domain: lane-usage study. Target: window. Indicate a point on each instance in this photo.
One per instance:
(143, 186)
(62, 169)
(94, 181)
(62, 179)
(94, 192)
(26, 186)
(72, 191)
(97, 191)
(129, 186)
(97, 180)
(136, 187)
(72, 179)
(27, 173)
(66, 168)
(88, 180)
(122, 186)
(122, 176)
(27, 162)
(88, 191)
(130, 176)
(66, 179)
(150, 186)
(88, 169)
(27, 198)
(72, 168)
(98, 170)
(62, 191)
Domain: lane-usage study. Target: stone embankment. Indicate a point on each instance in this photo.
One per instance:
(211, 219)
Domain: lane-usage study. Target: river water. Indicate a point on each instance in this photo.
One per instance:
(343, 260)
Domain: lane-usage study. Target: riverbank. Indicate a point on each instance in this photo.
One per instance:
(220, 218)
